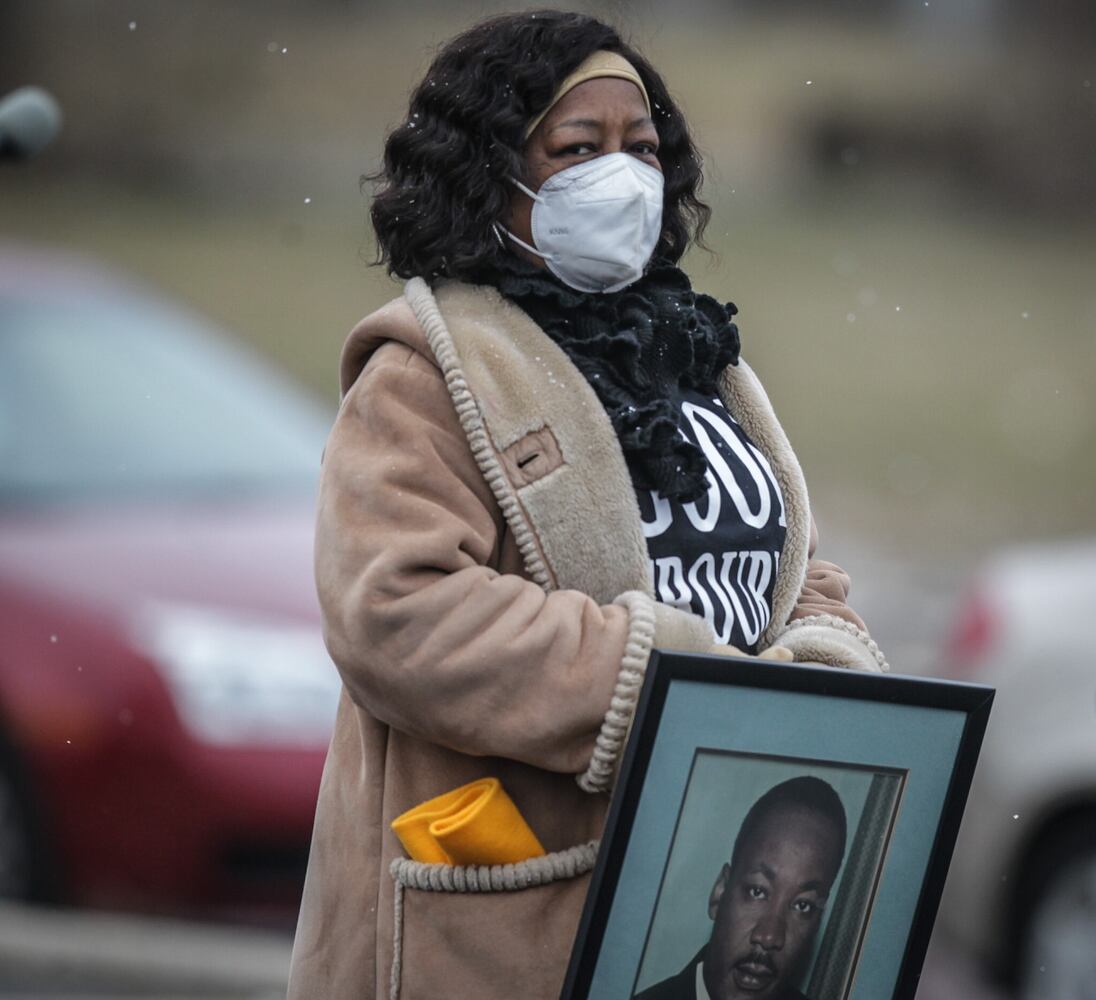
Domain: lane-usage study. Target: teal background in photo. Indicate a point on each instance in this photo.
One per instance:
(720, 792)
(924, 741)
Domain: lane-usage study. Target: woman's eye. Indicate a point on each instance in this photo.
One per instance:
(578, 149)
(645, 149)
(756, 892)
(804, 906)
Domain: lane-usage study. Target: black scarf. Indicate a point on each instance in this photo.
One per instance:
(638, 348)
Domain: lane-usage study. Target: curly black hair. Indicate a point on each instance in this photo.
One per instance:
(444, 181)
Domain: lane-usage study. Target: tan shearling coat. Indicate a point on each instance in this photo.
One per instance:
(484, 582)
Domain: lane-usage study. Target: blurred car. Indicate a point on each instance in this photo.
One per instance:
(1022, 886)
(165, 697)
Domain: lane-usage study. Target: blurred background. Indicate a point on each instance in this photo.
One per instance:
(904, 199)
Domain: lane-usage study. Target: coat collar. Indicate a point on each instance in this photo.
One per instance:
(578, 526)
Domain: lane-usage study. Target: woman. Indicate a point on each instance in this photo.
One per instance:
(548, 461)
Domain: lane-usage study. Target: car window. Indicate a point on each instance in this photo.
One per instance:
(125, 399)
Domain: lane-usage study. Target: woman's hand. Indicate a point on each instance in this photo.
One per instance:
(777, 653)
(781, 653)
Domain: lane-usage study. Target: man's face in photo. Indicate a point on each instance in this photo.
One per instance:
(768, 904)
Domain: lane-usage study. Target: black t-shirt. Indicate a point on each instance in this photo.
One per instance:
(718, 556)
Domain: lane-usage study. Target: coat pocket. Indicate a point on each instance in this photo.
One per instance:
(499, 931)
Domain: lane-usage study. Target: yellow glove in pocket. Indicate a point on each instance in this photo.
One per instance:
(476, 824)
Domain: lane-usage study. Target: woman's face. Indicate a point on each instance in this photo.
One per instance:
(601, 116)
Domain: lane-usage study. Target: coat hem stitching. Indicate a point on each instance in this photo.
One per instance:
(425, 307)
(609, 744)
(839, 624)
(558, 865)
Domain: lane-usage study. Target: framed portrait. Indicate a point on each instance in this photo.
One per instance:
(777, 832)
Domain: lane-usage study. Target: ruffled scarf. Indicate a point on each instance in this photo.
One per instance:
(638, 348)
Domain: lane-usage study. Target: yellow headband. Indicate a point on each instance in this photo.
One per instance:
(595, 65)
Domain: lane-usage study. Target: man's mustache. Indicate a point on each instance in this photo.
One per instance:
(760, 959)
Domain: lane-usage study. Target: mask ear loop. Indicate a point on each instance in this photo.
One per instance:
(496, 227)
(520, 242)
(522, 187)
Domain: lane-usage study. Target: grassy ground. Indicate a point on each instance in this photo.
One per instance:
(933, 373)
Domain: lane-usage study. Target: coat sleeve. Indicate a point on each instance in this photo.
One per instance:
(428, 636)
(823, 628)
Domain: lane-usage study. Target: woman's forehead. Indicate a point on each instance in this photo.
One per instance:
(600, 99)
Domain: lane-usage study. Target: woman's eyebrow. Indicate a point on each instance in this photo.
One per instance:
(595, 124)
(577, 123)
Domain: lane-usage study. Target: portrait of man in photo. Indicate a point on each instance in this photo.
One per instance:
(768, 899)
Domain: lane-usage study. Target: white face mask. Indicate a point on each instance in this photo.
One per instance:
(597, 223)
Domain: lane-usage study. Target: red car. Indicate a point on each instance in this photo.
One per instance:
(165, 697)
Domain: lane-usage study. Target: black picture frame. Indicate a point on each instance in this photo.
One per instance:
(707, 723)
